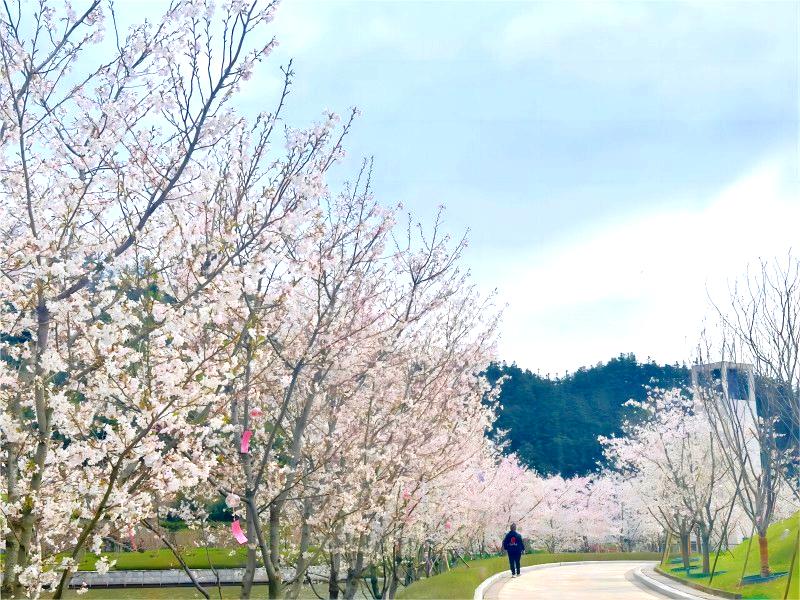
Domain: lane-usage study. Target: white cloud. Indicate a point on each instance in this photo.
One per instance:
(704, 43)
(337, 31)
(301, 26)
(643, 284)
(551, 27)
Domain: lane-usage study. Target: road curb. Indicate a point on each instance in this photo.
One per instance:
(698, 586)
(663, 588)
(487, 583)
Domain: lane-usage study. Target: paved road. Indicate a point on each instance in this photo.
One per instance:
(579, 581)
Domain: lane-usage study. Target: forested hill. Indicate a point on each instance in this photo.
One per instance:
(553, 424)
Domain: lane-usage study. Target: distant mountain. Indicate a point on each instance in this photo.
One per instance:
(553, 424)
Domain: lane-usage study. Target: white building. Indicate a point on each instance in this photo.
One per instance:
(732, 387)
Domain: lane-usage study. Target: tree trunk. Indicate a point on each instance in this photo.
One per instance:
(392, 591)
(333, 577)
(763, 552)
(250, 570)
(273, 579)
(373, 581)
(409, 574)
(11, 541)
(354, 572)
(397, 554)
(705, 537)
(685, 550)
(428, 563)
(273, 574)
(303, 561)
(43, 413)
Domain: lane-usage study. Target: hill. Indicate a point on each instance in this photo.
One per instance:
(553, 424)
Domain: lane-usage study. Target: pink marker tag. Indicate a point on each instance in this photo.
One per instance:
(245, 448)
(236, 529)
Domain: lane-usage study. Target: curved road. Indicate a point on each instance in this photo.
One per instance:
(579, 581)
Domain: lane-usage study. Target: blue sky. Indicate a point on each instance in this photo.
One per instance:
(614, 162)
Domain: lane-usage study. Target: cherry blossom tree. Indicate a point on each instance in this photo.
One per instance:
(348, 358)
(671, 456)
(188, 313)
(760, 325)
(133, 191)
(629, 520)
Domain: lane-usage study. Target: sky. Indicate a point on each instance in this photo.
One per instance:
(616, 164)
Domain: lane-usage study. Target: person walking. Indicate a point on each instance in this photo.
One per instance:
(514, 547)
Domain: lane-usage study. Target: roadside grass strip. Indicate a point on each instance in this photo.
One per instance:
(196, 558)
(737, 565)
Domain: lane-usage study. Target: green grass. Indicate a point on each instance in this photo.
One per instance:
(780, 555)
(461, 582)
(196, 558)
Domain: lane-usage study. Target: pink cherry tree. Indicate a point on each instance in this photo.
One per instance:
(135, 193)
(673, 457)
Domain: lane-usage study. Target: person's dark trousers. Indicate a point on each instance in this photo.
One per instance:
(513, 560)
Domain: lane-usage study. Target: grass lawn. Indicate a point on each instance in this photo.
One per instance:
(729, 566)
(461, 582)
(196, 558)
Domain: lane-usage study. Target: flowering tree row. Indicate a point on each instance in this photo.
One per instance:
(706, 460)
(188, 313)
(691, 481)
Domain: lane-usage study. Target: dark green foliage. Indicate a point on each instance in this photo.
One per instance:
(60, 378)
(219, 511)
(553, 424)
(13, 340)
(172, 523)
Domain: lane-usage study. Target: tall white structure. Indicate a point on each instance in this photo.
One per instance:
(732, 386)
(734, 380)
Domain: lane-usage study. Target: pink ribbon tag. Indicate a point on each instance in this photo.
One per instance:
(236, 529)
(245, 448)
